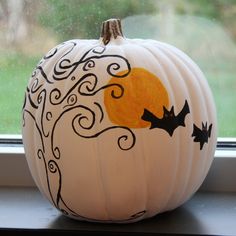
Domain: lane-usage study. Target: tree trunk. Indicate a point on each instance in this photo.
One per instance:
(17, 25)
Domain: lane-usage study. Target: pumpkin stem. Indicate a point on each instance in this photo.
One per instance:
(111, 29)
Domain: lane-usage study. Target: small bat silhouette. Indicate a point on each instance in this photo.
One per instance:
(169, 122)
(201, 135)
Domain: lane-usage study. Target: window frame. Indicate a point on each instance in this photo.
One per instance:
(12, 157)
(14, 169)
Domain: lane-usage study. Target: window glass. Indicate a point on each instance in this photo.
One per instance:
(205, 30)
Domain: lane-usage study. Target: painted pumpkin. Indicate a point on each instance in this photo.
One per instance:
(117, 129)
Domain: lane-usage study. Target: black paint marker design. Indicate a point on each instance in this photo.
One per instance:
(201, 135)
(169, 122)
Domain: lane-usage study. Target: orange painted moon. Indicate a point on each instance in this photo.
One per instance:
(142, 89)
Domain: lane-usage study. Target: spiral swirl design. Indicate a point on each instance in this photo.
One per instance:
(71, 89)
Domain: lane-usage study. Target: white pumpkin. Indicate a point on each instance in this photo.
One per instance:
(117, 129)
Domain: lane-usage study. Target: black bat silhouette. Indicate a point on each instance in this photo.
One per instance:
(169, 122)
(201, 135)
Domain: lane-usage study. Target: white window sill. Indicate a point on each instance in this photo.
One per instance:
(211, 211)
(14, 169)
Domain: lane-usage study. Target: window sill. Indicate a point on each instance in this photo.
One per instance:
(26, 210)
(221, 177)
(211, 211)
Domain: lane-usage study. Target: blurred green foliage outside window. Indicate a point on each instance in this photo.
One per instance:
(205, 30)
